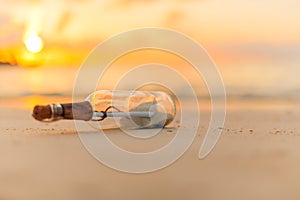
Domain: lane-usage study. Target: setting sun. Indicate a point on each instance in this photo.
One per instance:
(33, 43)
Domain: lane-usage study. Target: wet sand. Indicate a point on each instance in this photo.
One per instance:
(257, 157)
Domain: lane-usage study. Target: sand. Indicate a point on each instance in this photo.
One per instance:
(257, 157)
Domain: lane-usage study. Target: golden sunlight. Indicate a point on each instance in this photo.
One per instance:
(33, 43)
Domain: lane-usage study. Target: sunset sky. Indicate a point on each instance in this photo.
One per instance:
(212, 22)
(246, 38)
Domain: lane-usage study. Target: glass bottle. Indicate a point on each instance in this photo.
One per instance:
(124, 109)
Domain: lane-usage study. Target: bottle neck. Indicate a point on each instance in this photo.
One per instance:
(54, 112)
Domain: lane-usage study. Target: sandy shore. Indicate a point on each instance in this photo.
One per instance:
(257, 157)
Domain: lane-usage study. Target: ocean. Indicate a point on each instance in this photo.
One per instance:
(240, 81)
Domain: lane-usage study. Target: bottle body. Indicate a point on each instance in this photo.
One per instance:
(132, 109)
(114, 109)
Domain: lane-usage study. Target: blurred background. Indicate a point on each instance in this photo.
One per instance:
(255, 44)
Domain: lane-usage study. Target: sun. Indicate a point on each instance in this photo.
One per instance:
(33, 43)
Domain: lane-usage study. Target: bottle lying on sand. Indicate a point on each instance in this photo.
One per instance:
(133, 109)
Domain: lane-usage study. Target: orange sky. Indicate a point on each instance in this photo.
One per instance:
(213, 22)
(255, 43)
(220, 26)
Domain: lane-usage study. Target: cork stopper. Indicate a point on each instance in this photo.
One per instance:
(53, 112)
(42, 112)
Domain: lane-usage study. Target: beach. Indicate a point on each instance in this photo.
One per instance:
(199, 52)
(256, 157)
